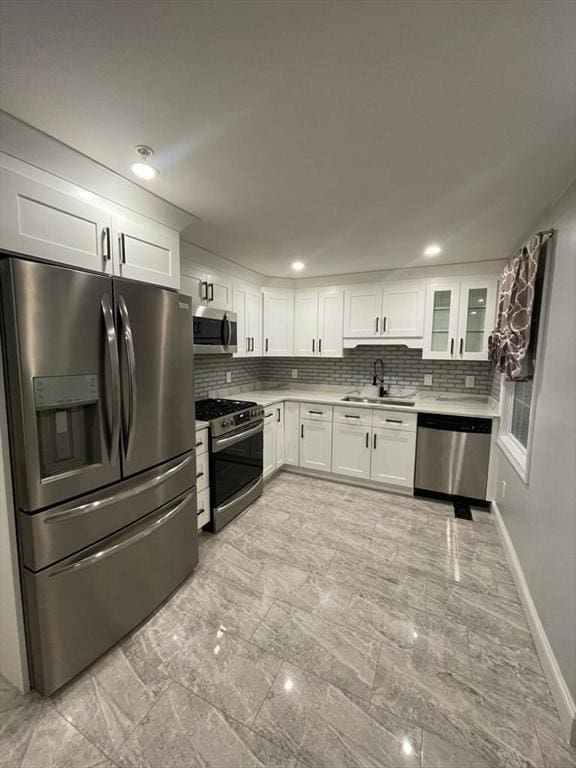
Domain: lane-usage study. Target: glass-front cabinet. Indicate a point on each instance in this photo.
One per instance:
(459, 317)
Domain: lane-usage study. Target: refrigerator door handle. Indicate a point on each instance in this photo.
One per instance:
(84, 562)
(112, 347)
(131, 357)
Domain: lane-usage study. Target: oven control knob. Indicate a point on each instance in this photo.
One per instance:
(227, 422)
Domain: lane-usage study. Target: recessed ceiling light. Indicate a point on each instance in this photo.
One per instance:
(432, 250)
(143, 168)
(297, 266)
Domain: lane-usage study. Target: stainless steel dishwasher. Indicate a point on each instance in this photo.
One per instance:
(452, 455)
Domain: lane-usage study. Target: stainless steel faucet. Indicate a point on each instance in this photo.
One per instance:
(378, 379)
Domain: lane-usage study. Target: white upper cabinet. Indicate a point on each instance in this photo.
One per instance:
(278, 323)
(306, 324)
(385, 312)
(403, 309)
(147, 251)
(43, 222)
(207, 288)
(80, 229)
(246, 304)
(362, 309)
(330, 322)
(459, 316)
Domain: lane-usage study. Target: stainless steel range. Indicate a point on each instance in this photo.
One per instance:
(236, 456)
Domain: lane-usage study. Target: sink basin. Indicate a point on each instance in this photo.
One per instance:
(377, 400)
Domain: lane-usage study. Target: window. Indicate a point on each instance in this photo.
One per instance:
(521, 401)
(514, 436)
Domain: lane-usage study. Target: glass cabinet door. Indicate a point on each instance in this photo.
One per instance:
(477, 305)
(441, 320)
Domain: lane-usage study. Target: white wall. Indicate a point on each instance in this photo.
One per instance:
(13, 665)
(540, 515)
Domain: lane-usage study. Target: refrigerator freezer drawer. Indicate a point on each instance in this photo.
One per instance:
(56, 533)
(80, 607)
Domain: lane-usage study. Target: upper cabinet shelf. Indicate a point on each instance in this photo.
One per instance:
(80, 229)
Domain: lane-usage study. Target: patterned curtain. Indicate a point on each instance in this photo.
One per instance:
(509, 342)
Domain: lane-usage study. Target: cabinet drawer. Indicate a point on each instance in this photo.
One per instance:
(202, 472)
(201, 441)
(315, 412)
(203, 505)
(359, 416)
(406, 422)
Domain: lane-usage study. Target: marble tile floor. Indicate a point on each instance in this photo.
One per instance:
(329, 626)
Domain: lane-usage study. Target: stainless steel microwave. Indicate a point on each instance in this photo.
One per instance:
(215, 331)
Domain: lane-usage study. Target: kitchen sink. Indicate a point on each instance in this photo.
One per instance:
(377, 400)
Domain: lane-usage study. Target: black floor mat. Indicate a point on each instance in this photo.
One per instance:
(462, 510)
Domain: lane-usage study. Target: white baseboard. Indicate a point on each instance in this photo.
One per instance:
(560, 692)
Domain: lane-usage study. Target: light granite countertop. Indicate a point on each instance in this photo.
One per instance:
(452, 403)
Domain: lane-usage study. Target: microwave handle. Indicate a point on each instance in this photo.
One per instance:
(226, 331)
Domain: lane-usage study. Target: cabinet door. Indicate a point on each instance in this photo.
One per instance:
(194, 284)
(330, 322)
(219, 291)
(254, 323)
(393, 456)
(316, 445)
(441, 320)
(351, 450)
(292, 433)
(278, 323)
(40, 221)
(269, 443)
(362, 310)
(279, 434)
(147, 251)
(240, 306)
(476, 317)
(306, 324)
(403, 309)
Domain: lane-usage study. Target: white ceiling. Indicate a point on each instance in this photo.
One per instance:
(344, 134)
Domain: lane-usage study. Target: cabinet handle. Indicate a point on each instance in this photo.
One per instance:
(122, 248)
(374, 440)
(367, 439)
(106, 247)
(266, 345)
(313, 343)
(201, 511)
(204, 285)
(211, 286)
(199, 443)
(349, 416)
(451, 346)
(377, 324)
(384, 319)
(318, 413)
(269, 414)
(250, 344)
(302, 430)
(278, 414)
(395, 421)
(199, 474)
(461, 345)
(319, 346)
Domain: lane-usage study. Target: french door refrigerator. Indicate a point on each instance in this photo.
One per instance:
(101, 419)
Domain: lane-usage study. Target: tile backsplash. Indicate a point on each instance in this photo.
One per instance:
(403, 367)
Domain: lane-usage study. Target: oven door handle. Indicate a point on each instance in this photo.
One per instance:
(220, 443)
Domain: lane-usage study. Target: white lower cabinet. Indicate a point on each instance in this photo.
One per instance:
(393, 456)
(292, 433)
(202, 478)
(351, 450)
(279, 435)
(203, 507)
(269, 441)
(316, 445)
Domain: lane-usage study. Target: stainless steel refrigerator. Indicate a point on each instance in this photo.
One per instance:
(101, 419)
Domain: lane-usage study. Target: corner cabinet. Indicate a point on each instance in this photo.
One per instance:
(79, 229)
(458, 319)
(278, 323)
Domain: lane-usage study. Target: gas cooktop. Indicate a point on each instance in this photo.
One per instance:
(213, 408)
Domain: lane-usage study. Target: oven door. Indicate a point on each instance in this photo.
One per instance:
(215, 331)
(236, 462)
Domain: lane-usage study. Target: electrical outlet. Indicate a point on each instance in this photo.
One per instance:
(427, 379)
(294, 373)
(469, 381)
(503, 490)
(228, 377)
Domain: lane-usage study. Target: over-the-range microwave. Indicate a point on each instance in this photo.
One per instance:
(215, 331)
